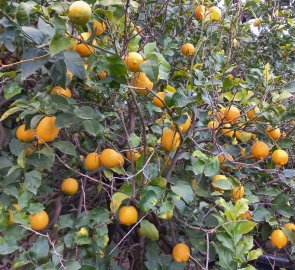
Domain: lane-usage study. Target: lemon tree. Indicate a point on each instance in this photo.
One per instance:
(146, 134)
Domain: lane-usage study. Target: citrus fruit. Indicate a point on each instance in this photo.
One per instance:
(85, 49)
(58, 90)
(46, 130)
(223, 159)
(170, 89)
(260, 150)
(16, 208)
(135, 157)
(99, 27)
(128, 215)
(39, 221)
(238, 193)
(69, 186)
(188, 49)
(274, 133)
(231, 114)
(185, 126)
(156, 100)
(290, 226)
(279, 238)
(25, 135)
(230, 77)
(200, 12)
(111, 158)
(213, 124)
(252, 113)
(83, 232)
(102, 74)
(217, 178)
(247, 215)
(92, 161)
(257, 22)
(140, 80)
(170, 140)
(215, 13)
(227, 131)
(180, 252)
(243, 152)
(133, 61)
(80, 12)
(280, 157)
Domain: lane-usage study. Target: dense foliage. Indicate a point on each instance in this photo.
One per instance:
(191, 142)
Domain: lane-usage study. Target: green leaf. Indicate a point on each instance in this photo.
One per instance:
(151, 68)
(117, 200)
(244, 227)
(227, 84)
(35, 208)
(7, 247)
(40, 249)
(5, 162)
(135, 140)
(35, 34)
(248, 266)
(116, 66)
(254, 254)
(84, 112)
(72, 265)
(11, 89)
(93, 127)
(241, 206)
(65, 221)
(149, 230)
(212, 167)
(184, 190)
(149, 200)
(58, 44)
(282, 205)
(149, 48)
(224, 184)
(33, 181)
(180, 100)
(290, 87)
(75, 64)
(66, 147)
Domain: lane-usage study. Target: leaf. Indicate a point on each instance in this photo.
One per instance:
(32, 181)
(72, 265)
(184, 190)
(135, 140)
(282, 205)
(227, 84)
(38, 58)
(5, 162)
(35, 34)
(244, 227)
(148, 201)
(75, 64)
(57, 71)
(7, 247)
(180, 100)
(40, 248)
(224, 184)
(84, 112)
(66, 147)
(254, 254)
(149, 48)
(117, 200)
(249, 266)
(58, 43)
(290, 87)
(65, 221)
(9, 35)
(241, 206)
(93, 127)
(212, 167)
(11, 89)
(151, 68)
(116, 66)
(35, 208)
(149, 230)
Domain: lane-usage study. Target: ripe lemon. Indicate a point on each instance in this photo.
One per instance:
(133, 61)
(215, 13)
(280, 157)
(25, 135)
(180, 252)
(39, 221)
(260, 150)
(257, 22)
(217, 178)
(102, 74)
(136, 155)
(231, 114)
(230, 77)
(279, 238)
(69, 186)
(128, 215)
(156, 100)
(140, 80)
(222, 159)
(213, 124)
(170, 140)
(238, 193)
(46, 130)
(219, 117)
(85, 49)
(92, 161)
(58, 90)
(290, 226)
(274, 133)
(185, 126)
(111, 158)
(188, 49)
(227, 131)
(80, 13)
(247, 215)
(99, 27)
(252, 113)
(17, 208)
(200, 12)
